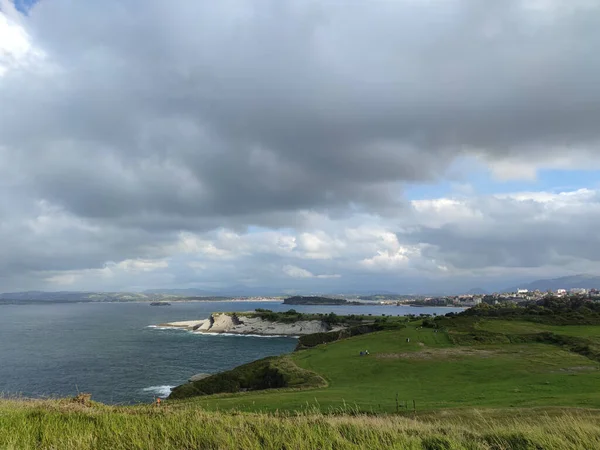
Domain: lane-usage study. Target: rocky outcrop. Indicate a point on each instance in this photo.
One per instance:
(198, 377)
(234, 324)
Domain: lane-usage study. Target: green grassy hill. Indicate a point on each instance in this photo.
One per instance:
(435, 373)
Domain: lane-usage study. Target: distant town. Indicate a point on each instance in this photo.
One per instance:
(467, 300)
(472, 298)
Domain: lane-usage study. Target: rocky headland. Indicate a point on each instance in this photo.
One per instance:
(237, 323)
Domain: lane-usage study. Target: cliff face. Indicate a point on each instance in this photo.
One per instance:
(225, 323)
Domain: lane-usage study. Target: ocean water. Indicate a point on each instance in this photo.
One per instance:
(112, 351)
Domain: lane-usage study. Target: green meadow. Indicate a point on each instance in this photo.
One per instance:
(591, 332)
(430, 372)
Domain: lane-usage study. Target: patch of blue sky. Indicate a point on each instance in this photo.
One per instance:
(24, 5)
(481, 182)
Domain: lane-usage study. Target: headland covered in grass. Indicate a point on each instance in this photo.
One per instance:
(487, 357)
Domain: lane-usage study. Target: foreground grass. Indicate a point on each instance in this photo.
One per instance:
(431, 371)
(60, 424)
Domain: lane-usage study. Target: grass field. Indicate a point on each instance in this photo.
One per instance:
(432, 372)
(60, 424)
(591, 332)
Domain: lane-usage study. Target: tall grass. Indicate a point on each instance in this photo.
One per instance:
(60, 424)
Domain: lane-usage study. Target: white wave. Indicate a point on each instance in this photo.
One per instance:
(156, 327)
(161, 391)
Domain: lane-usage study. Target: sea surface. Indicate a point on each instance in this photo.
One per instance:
(112, 351)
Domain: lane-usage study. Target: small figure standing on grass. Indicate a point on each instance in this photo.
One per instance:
(158, 400)
(407, 339)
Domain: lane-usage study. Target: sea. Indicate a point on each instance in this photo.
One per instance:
(116, 352)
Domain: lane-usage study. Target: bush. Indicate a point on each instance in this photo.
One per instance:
(267, 373)
(430, 323)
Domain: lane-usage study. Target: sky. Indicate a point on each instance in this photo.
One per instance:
(298, 146)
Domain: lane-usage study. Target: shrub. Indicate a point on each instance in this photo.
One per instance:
(266, 373)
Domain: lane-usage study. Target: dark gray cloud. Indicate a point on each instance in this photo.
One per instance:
(200, 110)
(143, 120)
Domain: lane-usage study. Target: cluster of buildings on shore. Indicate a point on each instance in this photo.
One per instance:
(521, 295)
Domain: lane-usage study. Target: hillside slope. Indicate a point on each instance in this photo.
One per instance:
(428, 369)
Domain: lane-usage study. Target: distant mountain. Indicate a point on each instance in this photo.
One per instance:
(231, 291)
(190, 292)
(477, 291)
(553, 284)
(75, 296)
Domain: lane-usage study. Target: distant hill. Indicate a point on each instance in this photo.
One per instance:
(297, 300)
(75, 296)
(190, 292)
(477, 291)
(553, 284)
(231, 291)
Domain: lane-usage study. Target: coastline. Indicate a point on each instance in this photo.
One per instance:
(189, 301)
(228, 324)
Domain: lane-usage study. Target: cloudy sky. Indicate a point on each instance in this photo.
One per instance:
(298, 145)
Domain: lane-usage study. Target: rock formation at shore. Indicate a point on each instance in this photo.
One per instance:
(234, 324)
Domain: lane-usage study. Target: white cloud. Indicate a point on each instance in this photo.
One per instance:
(318, 245)
(190, 243)
(141, 265)
(390, 260)
(16, 48)
(512, 233)
(65, 279)
(298, 272)
(446, 239)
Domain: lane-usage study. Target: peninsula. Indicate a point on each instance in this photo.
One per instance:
(261, 322)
